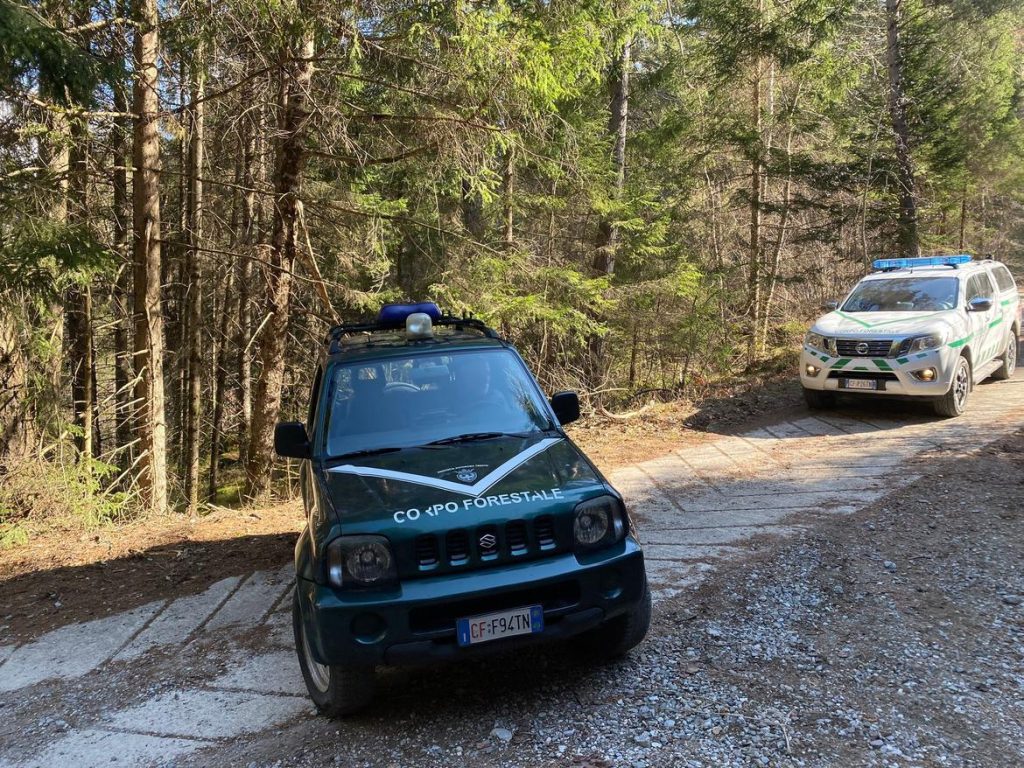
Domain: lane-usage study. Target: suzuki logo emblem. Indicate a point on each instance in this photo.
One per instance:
(862, 348)
(488, 541)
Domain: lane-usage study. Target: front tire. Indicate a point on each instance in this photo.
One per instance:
(819, 400)
(1005, 371)
(336, 689)
(954, 402)
(617, 637)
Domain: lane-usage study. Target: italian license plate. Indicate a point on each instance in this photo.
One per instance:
(493, 626)
(859, 384)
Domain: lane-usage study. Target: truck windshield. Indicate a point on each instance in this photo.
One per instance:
(400, 402)
(903, 294)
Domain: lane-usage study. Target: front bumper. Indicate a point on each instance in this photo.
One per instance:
(415, 623)
(893, 375)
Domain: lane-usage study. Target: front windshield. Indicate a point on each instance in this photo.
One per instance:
(903, 294)
(418, 399)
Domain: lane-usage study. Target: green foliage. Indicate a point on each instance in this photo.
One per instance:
(31, 49)
(41, 257)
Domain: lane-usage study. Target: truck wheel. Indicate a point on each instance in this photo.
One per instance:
(617, 637)
(1005, 371)
(819, 400)
(954, 402)
(336, 690)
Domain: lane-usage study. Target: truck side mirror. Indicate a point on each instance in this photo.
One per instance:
(290, 439)
(830, 306)
(566, 406)
(979, 305)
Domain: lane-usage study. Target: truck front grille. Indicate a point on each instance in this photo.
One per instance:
(484, 545)
(875, 347)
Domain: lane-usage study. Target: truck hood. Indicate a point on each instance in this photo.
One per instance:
(431, 488)
(874, 324)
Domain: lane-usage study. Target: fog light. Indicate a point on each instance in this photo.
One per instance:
(928, 374)
(813, 370)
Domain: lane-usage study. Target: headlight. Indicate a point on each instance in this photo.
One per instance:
(599, 522)
(360, 561)
(921, 343)
(821, 343)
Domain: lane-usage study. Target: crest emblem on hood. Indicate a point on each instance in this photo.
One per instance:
(466, 475)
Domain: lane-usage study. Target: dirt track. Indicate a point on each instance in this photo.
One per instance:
(820, 581)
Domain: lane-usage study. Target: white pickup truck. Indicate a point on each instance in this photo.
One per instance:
(924, 327)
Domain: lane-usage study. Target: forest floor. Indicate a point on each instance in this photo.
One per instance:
(120, 565)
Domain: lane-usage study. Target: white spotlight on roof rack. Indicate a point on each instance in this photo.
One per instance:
(418, 325)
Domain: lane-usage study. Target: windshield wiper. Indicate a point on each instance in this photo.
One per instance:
(367, 452)
(471, 436)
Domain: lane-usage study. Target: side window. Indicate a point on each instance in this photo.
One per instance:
(979, 287)
(1003, 278)
(314, 396)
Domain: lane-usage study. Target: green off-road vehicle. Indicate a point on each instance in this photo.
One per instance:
(447, 512)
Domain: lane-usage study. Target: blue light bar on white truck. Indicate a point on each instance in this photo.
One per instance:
(921, 261)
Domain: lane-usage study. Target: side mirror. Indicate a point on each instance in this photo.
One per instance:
(830, 306)
(290, 439)
(979, 305)
(566, 406)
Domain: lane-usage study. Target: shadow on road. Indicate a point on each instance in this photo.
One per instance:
(38, 601)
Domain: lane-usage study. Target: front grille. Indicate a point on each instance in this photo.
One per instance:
(426, 551)
(515, 537)
(457, 547)
(870, 375)
(876, 347)
(484, 545)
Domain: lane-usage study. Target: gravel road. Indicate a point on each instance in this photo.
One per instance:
(841, 590)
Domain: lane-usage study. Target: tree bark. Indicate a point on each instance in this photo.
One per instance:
(756, 191)
(508, 183)
(194, 286)
(298, 73)
(149, 330)
(608, 234)
(252, 164)
(220, 383)
(907, 235)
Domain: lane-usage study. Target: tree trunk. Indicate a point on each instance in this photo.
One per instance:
(17, 429)
(508, 183)
(608, 233)
(149, 330)
(907, 236)
(756, 191)
(194, 287)
(78, 301)
(618, 123)
(472, 212)
(219, 383)
(298, 73)
(251, 162)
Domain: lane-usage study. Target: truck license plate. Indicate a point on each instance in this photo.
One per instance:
(492, 626)
(859, 384)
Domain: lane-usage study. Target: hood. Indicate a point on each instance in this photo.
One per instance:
(432, 488)
(884, 324)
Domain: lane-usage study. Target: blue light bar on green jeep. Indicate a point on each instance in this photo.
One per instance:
(395, 314)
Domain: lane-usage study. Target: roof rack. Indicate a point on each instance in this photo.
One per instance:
(466, 322)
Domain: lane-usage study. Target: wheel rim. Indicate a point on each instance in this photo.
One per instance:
(319, 674)
(961, 385)
(1011, 354)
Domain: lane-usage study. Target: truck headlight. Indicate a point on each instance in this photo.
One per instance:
(824, 344)
(599, 522)
(921, 343)
(360, 561)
